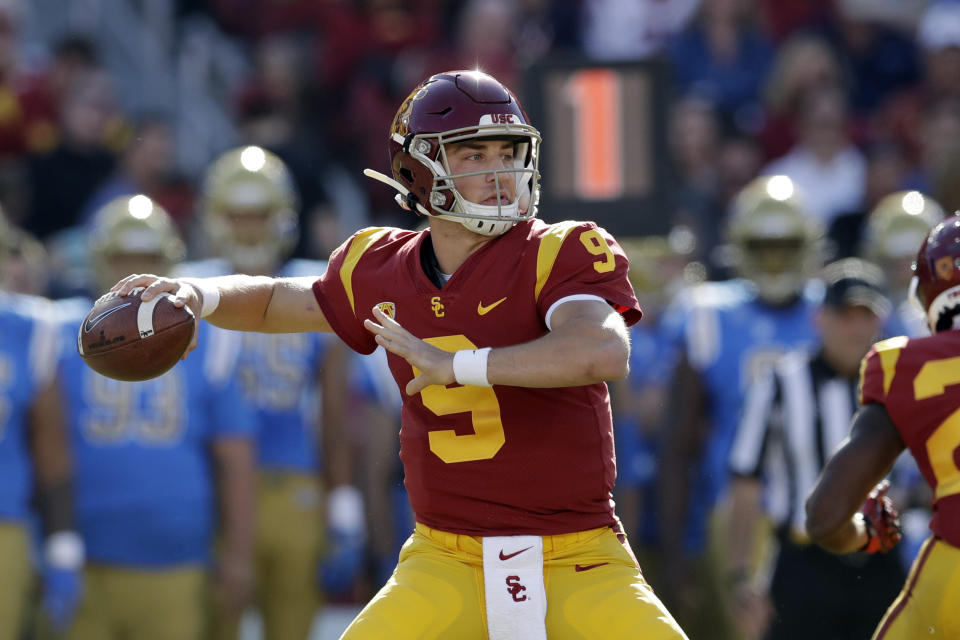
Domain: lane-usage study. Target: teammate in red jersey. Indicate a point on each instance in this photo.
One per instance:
(910, 398)
(501, 331)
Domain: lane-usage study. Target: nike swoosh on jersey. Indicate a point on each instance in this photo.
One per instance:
(92, 322)
(510, 555)
(586, 567)
(484, 310)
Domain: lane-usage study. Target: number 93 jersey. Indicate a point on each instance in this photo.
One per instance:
(495, 460)
(918, 381)
(144, 477)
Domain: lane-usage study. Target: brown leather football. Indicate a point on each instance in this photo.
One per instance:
(127, 339)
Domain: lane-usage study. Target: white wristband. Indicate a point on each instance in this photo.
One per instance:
(209, 294)
(470, 366)
(64, 550)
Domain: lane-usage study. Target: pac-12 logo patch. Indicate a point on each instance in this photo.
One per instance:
(388, 309)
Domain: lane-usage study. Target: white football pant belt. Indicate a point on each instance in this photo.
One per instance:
(515, 596)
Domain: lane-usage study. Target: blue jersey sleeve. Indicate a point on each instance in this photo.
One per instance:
(228, 412)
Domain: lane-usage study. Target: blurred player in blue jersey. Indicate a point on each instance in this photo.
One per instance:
(728, 332)
(376, 400)
(660, 268)
(295, 382)
(160, 465)
(34, 463)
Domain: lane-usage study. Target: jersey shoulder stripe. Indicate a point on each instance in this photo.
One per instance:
(358, 245)
(879, 367)
(549, 249)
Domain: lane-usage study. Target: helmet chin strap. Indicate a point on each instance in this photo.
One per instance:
(402, 196)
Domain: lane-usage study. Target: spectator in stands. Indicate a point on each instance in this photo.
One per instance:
(802, 64)
(886, 172)
(145, 166)
(724, 57)
(903, 116)
(826, 166)
(877, 55)
(63, 179)
(631, 29)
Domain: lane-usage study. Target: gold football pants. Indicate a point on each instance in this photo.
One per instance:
(594, 590)
(123, 603)
(929, 605)
(15, 579)
(289, 538)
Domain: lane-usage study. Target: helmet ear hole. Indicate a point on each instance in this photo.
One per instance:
(406, 174)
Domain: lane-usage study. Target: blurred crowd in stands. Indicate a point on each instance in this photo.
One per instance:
(101, 99)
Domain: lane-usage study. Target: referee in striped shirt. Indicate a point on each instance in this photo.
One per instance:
(794, 417)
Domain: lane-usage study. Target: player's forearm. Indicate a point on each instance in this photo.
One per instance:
(681, 448)
(832, 518)
(849, 537)
(579, 353)
(268, 305)
(337, 450)
(235, 471)
(51, 460)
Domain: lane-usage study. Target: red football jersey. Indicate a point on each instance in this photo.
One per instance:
(490, 460)
(918, 381)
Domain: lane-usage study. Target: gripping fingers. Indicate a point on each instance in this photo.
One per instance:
(158, 286)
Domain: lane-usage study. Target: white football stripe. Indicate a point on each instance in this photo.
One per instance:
(145, 315)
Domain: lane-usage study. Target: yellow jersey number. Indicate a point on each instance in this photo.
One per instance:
(596, 245)
(480, 402)
(943, 445)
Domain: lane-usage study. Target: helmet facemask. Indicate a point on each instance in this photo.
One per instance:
(446, 200)
(779, 267)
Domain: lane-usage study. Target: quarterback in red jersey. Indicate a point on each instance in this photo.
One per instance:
(501, 330)
(910, 397)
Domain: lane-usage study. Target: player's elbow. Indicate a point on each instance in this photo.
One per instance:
(610, 358)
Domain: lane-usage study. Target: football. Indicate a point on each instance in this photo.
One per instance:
(128, 339)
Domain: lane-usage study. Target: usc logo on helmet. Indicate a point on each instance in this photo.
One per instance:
(401, 121)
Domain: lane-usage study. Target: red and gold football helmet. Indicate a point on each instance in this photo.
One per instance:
(453, 107)
(936, 275)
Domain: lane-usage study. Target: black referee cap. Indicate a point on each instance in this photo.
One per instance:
(853, 282)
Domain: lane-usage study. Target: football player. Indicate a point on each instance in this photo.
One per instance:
(727, 332)
(156, 461)
(894, 230)
(249, 211)
(660, 268)
(501, 330)
(910, 399)
(34, 461)
(374, 396)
